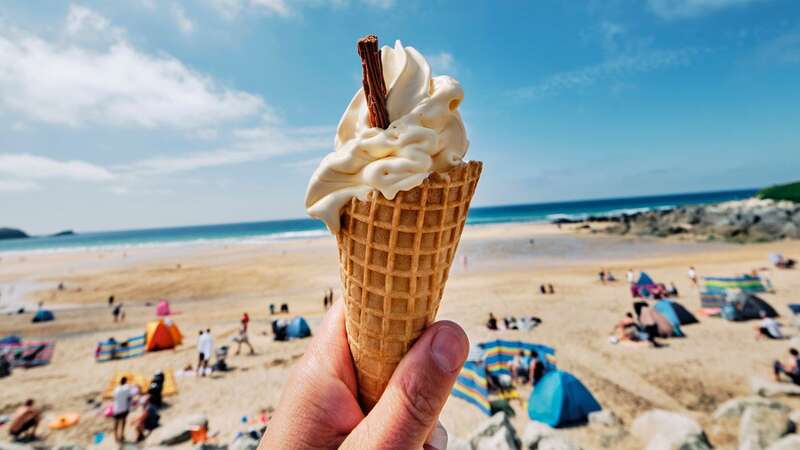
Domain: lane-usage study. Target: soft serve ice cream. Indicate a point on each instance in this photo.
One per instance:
(426, 135)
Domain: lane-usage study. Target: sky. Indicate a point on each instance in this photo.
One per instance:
(150, 113)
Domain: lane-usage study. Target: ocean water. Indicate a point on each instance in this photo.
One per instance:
(256, 232)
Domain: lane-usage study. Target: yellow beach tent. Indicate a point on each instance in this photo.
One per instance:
(142, 382)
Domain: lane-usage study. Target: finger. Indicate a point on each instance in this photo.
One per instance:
(417, 392)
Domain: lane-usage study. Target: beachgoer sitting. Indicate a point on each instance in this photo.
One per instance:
(221, 365)
(768, 328)
(536, 368)
(23, 425)
(285, 308)
(542, 289)
(512, 323)
(610, 277)
(673, 290)
(648, 328)
(521, 367)
(147, 421)
(626, 329)
(271, 309)
(279, 327)
(790, 368)
(550, 289)
(492, 322)
(602, 276)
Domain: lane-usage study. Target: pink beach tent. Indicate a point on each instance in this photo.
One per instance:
(162, 309)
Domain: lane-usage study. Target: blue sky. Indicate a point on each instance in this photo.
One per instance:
(150, 113)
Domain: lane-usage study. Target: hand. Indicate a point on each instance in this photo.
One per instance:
(319, 407)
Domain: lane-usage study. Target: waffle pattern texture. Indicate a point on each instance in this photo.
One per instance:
(395, 256)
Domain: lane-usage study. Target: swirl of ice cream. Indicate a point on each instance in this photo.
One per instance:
(426, 135)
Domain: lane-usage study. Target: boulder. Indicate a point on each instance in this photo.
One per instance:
(766, 388)
(495, 432)
(454, 443)
(556, 442)
(604, 418)
(735, 408)
(665, 430)
(534, 433)
(179, 430)
(244, 442)
(761, 426)
(790, 442)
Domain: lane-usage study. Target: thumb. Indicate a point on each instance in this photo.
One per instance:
(408, 411)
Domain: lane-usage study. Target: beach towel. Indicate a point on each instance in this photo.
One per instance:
(29, 353)
(130, 348)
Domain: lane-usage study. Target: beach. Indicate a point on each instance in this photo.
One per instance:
(498, 269)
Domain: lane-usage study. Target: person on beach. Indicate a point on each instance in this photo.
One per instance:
(121, 405)
(201, 357)
(521, 367)
(629, 276)
(625, 329)
(110, 300)
(536, 368)
(242, 338)
(610, 277)
(406, 416)
(116, 312)
(550, 289)
(790, 368)
(26, 419)
(205, 347)
(768, 328)
(692, 273)
(602, 276)
(492, 322)
(542, 289)
(147, 421)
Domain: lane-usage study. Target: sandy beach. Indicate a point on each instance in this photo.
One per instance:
(498, 269)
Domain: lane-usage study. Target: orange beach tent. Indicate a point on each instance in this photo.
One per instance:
(162, 334)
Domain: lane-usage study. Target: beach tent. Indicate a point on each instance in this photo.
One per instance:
(746, 306)
(664, 308)
(162, 308)
(745, 283)
(472, 386)
(645, 280)
(646, 287)
(43, 315)
(11, 340)
(684, 316)
(298, 328)
(140, 381)
(110, 350)
(161, 335)
(498, 355)
(560, 400)
(29, 353)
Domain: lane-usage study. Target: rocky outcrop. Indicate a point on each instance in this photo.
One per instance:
(791, 442)
(538, 436)
(665, 430)
(752, 220)
(495, 433)
(12, 233)
(762, 426)
(767, 388)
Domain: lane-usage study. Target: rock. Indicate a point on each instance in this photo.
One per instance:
(604, 418)
(244, 442)
(766, 388)
(495, 432)
(534, 433)
(790, 442)
(734, 408)
(12, 233)
(761, 426)
(556, 442)
(664, 430)
(68, 447)
(178, 430)
(454, 443)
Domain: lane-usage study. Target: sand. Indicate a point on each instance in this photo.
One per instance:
(211, 285)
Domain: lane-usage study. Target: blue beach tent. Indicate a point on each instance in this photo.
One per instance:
(645, 280)
(43, 315)
(561, 400)
(298, 328)
(664, 307)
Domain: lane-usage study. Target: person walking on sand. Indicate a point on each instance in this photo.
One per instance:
(629, 276)
(200, 356)
(121, 406)
(116, 312)
(242, 338)
(692, 276)
(206, 346)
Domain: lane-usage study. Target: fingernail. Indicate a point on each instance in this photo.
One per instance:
(438, 438)
(447, 349)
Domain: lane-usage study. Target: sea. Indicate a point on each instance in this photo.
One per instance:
(259, 232)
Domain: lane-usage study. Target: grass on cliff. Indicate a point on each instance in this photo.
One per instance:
(790, 191)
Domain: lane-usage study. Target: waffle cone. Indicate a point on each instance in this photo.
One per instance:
(394, 257)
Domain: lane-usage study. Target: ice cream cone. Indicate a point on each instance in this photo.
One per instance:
(394, 257)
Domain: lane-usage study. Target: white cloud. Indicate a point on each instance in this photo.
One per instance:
(610, 69)
(70, 84)
(442, 63)
(679, 9)
(24, 166)
(285, 8)
(182, 20)
(18, 186)
(250, 144)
